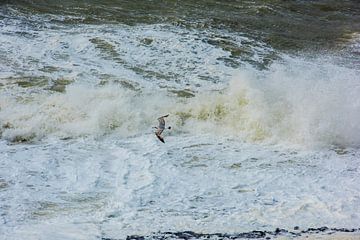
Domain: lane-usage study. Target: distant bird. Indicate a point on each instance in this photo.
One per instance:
(161, 128)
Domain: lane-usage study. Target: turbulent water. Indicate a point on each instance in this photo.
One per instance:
(262, 97)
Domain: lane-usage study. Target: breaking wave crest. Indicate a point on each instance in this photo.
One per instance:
(308, 103)
(300, 101)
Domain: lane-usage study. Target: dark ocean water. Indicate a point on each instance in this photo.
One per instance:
(285, 25)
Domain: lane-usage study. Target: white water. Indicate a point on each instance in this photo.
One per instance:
(252, 150)
(87, 188)
(296, 101)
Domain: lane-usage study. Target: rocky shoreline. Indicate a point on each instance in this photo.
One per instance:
(295, 233)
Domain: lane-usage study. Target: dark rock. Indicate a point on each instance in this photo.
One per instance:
(134, 237)
(189, 235)
(279, 231)
(322, 229)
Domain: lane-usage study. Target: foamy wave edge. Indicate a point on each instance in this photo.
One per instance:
(300, 101)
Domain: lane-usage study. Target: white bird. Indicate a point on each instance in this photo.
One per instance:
(161, 128)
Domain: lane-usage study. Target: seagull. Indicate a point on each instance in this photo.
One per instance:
(161, 128)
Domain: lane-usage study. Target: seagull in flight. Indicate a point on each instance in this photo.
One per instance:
(161, 127)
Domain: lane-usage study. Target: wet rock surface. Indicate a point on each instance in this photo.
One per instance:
(297, 232)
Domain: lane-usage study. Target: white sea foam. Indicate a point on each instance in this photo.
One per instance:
(95, 53)
(308, 102)
(312, 102)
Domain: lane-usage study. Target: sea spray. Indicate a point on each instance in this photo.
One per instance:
(303, 101)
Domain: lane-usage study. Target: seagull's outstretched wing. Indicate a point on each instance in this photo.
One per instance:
(158, 134)
(162, 122)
